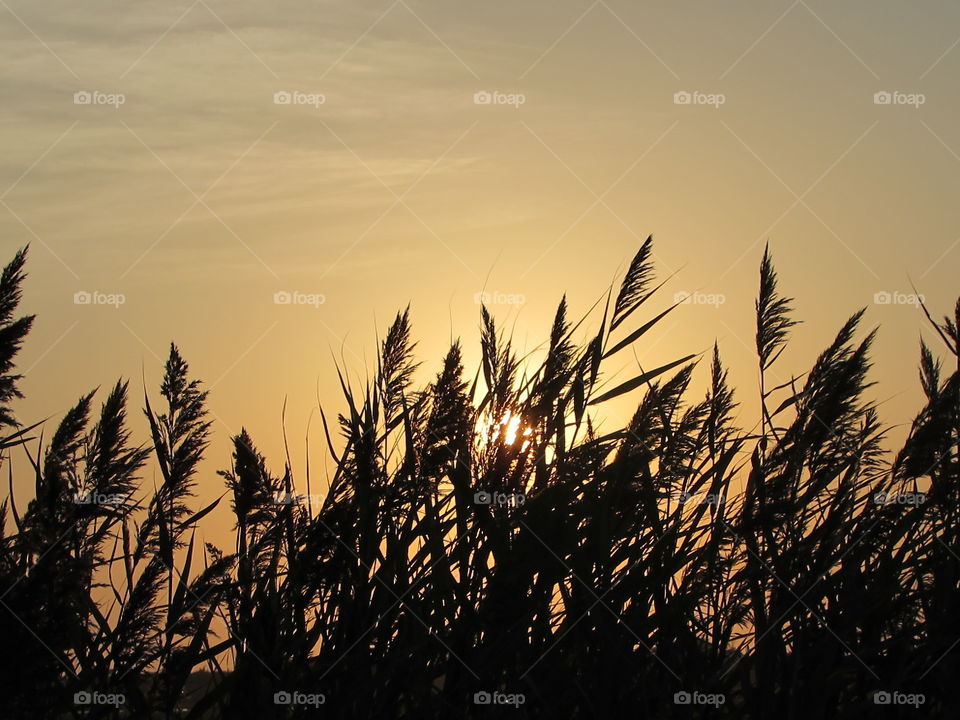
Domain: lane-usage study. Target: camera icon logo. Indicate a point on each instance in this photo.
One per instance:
(482, 698)
(282, 97)
(282, 698)
(482, 98)
(682, 698)
(82, 97)
(882, 98)
(882, 298)
(880, 498)
(82, 297)
(82, 698)
(282, 297)
(682, 98)
(882, 697)
(482, 498)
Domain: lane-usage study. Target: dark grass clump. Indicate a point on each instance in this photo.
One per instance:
(482, 550)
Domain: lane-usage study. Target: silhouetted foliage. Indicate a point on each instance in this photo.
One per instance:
(483, 537)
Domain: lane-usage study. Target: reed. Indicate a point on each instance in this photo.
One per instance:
(479, 538)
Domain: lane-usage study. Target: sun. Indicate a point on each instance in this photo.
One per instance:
(509, 427)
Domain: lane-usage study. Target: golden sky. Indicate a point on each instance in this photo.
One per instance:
(196, 158)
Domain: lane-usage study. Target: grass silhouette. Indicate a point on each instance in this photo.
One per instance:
(482, 551)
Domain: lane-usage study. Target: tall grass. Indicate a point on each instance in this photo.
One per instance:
(480, 538)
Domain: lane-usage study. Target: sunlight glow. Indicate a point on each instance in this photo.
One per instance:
(508, 427)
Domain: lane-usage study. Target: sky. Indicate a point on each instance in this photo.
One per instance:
(267, 184)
